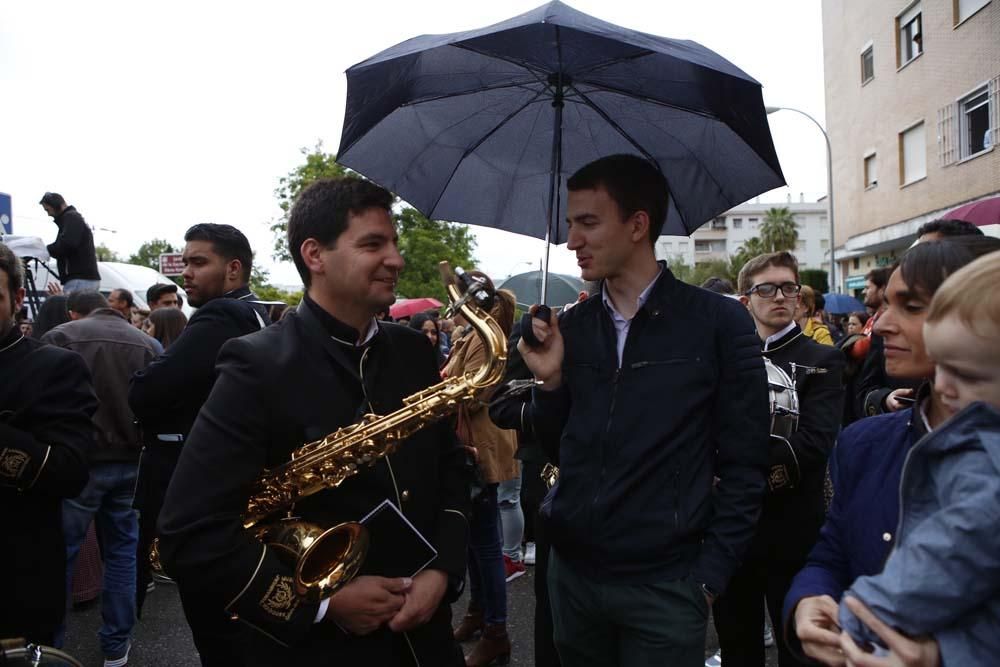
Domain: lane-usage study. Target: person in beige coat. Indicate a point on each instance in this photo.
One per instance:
(493, 450)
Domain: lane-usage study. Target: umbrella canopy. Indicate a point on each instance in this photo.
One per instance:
(983, 212)
(527, 287)
(410, 307)
(841, 304)
(485, 126)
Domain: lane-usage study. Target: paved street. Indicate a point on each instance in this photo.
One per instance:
(162, 638)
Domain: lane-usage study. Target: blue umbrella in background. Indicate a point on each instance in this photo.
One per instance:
(484, 126)
(841, 304)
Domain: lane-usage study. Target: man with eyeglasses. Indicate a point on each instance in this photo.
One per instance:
(794, 505)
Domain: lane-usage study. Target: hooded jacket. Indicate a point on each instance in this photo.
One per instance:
(943, 576)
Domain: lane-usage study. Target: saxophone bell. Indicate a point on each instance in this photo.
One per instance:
(324, 558)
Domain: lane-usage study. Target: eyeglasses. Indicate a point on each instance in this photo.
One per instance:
(769, 290)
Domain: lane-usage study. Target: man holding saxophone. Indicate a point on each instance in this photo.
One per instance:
(319, 369)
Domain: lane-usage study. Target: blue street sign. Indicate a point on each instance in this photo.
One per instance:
(6, 215)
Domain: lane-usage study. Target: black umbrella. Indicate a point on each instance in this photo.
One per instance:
(485, 126)
(527, 287)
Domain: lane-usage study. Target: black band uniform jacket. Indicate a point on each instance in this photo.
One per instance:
(46, 435)
(290, 384)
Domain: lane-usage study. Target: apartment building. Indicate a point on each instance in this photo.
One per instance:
(725, 235)
(913, 115)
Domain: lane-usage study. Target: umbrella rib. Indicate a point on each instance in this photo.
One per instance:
(538, 72)
(603, 114)
(471, 91)
(479, 143)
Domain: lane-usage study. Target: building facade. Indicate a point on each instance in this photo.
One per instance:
(912, 111)
(725, 235)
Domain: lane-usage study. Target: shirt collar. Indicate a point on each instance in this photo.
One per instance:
(640, 300)
(242, 293)
(343, 333)
(774, 338)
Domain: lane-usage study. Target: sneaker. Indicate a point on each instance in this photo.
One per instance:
(150, 587)
(529, 553)
(120, 661)
(715, 660)
(513, 568)
(768, 636)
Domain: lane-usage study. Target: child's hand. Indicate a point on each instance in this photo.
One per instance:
(903, 651)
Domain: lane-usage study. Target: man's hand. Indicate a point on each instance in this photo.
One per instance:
(903, 651)
(893, 402)
(366, 603)
(422, 600)
(54, 287)
(544, 361)
(816, 627)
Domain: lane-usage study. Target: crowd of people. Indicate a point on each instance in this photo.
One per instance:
(727, 451)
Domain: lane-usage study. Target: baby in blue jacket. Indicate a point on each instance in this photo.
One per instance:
(943, 576)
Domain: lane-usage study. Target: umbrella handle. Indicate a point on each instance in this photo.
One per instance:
(544, 313)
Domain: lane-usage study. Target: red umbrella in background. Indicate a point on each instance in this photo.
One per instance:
(410, 307)
(981, 213)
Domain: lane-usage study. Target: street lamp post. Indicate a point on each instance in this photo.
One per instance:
(829, 189)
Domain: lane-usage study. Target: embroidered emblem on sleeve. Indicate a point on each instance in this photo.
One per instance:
(12, 462)
(778, 478)
(280, 600)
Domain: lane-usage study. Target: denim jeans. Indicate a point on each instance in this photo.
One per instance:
(511, 516)
(487, 578)
(80, 285)
(108, 495)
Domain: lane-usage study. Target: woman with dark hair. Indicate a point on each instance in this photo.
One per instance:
(165, 325)
(423, 322)
(867, 462)
(52, 313)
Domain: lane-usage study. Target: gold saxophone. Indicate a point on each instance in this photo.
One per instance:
(327, 558)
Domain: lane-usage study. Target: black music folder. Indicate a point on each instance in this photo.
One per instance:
(396, 548)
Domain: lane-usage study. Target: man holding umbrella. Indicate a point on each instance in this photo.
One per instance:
(654, 402)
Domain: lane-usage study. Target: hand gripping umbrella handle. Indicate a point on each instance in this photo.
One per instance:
(544, 313)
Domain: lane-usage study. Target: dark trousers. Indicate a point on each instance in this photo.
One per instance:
(739, 613)
(215, 634)
(532, 492)
(631, 625)
(545, 646)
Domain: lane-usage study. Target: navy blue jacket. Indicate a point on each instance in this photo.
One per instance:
(865, 467)
(943, 576)
(639, 446)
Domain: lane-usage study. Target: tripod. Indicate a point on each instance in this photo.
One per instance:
(32, 295)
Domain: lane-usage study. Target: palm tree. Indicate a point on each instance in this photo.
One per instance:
(778, 231)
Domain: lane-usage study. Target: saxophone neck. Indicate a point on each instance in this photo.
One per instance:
(471, 297)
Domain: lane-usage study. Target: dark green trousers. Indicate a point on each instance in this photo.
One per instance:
(660, 624)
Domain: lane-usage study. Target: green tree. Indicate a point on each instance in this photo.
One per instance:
(261, 286)
(680, 269)
(148, 254)
(778, 231)
(720, 268)
(750, 249)
(815, 278)
(423, 243)
(318, 164)
(106, 254)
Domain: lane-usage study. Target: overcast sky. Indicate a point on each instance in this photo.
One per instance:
(150, 117)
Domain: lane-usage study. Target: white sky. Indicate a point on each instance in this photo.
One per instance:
(150, 117)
